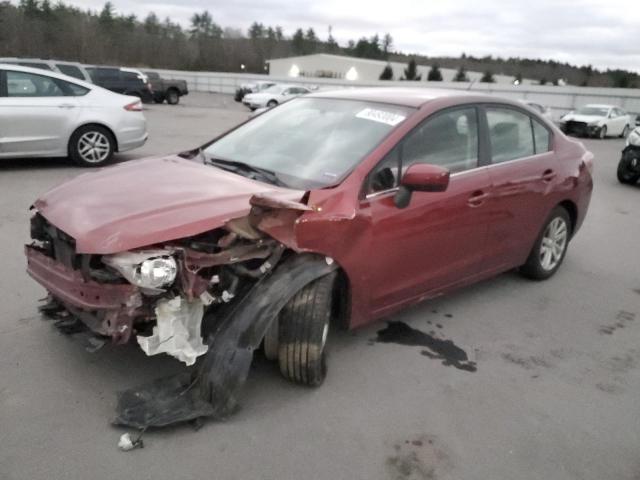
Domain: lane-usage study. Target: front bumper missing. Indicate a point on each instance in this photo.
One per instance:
(107, 309)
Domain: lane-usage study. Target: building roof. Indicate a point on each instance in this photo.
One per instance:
(409, 97)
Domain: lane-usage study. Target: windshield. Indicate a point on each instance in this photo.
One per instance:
(310, 142)
(595, 111)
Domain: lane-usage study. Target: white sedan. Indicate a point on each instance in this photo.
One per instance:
(272, 96)
(47, 114)
(597, 121)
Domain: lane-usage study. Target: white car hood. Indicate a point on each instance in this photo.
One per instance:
(584, 118)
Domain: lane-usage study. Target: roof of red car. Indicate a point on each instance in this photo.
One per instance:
(410, 97)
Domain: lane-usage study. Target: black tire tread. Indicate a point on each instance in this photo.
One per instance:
(302, 322)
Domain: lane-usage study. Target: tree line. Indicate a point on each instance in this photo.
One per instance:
(40, 28)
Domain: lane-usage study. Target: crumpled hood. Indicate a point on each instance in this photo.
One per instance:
(583, 118)
(143, 202)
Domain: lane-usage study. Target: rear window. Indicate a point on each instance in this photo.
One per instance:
(511, 134)
(130, 77)
(104, 73)
(70, 70)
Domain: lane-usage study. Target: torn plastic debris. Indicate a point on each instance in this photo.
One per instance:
(212, 390)
(177, 331)
(126, 443)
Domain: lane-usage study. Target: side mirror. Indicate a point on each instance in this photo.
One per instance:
(421, 177)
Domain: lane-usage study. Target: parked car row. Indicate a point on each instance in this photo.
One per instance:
(148, 86)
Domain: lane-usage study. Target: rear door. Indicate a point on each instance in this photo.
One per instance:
(523, 174)
(37, 114)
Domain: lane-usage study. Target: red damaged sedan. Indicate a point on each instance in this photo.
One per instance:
(344, 205)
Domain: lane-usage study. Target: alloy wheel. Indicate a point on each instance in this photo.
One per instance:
(94, 147)
(554, 243)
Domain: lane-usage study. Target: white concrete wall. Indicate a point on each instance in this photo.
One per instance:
(368, 69)
(560, 99)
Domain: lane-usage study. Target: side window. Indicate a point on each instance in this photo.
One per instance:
(22, 84)
(448, 139)
(541, 137)
(72, 89)
(70, 70)
(41, 66)
(510, 134)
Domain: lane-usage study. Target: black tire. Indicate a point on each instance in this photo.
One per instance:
(625, 131)
(271, 103)
(173, 97)
(602, 134)
(78, 143)
(625, 173)
(533, 267)
(303, 327)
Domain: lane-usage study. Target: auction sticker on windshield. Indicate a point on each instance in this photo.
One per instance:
(388, 118)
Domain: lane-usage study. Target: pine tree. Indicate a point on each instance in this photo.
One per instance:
(435, 75)
(487, 77)
(387, 73)
(411, 72)
(461, 75)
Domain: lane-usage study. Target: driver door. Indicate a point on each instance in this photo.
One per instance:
(437, 240)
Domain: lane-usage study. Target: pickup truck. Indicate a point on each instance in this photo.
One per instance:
(169, 90)
(128, 81)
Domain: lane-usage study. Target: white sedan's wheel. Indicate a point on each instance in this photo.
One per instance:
(603, 132)
(91, 146)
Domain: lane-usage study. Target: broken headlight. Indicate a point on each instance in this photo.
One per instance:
(150, 269)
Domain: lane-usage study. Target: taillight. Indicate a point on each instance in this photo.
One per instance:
(134, 106)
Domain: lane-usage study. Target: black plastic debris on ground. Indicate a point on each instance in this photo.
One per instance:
(212, 389)
(445, 350)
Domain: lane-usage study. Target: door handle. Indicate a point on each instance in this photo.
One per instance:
(477, 198)
(548, 175)
(66, 105)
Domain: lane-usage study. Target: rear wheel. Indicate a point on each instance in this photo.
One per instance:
(303, 329)
(173, 97)
(550, 247)
(91, 146)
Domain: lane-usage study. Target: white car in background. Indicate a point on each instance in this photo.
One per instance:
(274, 95)
(597, 121)
(47, 114)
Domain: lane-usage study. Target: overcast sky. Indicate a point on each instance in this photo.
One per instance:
(598, 32)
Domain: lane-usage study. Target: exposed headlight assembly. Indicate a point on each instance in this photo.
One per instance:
(148, 269)
(634, 138)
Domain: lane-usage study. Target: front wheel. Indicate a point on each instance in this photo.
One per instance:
(271, 103)
(91, 146)
(550, 247)
(303, 329)
(626, 173)
(603, 132)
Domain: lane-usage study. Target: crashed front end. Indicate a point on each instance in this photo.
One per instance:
(124, 295)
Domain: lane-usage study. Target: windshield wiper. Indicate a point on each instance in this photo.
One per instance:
(243, 169)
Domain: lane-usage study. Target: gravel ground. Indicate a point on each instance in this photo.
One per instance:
(555, 394)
